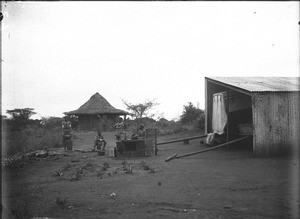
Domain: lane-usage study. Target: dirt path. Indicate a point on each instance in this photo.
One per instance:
(217, 184)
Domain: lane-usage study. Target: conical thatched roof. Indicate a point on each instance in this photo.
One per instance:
(96, 105)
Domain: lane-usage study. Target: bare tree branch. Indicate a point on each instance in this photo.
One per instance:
(140, 110)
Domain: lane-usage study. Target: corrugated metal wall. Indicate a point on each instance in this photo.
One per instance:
(276, 123)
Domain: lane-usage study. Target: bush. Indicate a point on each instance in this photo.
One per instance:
(163, 126)
(30, 138)
(22, 134)
(51, 122)
(192, 115)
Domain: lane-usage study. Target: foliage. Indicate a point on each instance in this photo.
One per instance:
(145, 165)
(163, 125)
(140, 110)
(192, 115)
(30, 138)
(20, 118)
(51, 122)
(54, 122)
(23, 113)
(105, 166)
(74, 121)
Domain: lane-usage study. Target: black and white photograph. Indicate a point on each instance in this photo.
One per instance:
(150, 109)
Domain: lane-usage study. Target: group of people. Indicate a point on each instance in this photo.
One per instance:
(120, 129)
(99, 142)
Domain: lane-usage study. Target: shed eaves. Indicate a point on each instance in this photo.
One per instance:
(96, 105)
(261, 84)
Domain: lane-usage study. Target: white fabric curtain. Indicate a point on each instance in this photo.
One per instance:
(219, 116)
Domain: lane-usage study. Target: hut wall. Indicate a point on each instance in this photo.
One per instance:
(88, 122)
(275, 123)
(103, 122)
(107, 122)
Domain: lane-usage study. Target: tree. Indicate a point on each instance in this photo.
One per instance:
(20, 117)
(21, 114)
(192, 114)
(140, 110)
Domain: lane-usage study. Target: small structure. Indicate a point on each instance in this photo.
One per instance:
(141, 147)
(265, 108)
(97, 113)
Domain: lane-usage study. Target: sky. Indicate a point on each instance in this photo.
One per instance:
(56, 55)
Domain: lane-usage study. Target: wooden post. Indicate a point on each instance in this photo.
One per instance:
(150, 142)
(99, 123)
(208, 107)
(124, 121)
(227, 111)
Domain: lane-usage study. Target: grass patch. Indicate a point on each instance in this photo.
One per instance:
(21, 207)
(127, 167)
(61, 203)
(66, 167)
(30, 138)
(145, 166)
(105, 166)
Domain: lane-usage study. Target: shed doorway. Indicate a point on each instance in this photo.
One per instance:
(238, 107)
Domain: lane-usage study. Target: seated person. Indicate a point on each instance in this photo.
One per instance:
(141, 133)
(99, 142)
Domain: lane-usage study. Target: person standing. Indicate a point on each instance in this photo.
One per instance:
(119, 127)
(99, 142)
(66, 128)
(66, 125)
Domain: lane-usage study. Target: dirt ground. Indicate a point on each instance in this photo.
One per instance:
(225, 183)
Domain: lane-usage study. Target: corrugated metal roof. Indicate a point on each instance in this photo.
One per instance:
(261, 84)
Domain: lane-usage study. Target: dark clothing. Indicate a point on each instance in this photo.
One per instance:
(99, 142)
(141, 133)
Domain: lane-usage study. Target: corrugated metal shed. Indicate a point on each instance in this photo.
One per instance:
(272, 108)
(261, 84)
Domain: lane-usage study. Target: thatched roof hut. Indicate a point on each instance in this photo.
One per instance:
(97, 113)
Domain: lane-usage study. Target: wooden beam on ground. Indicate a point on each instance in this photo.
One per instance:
(180, 140)
(205, 150)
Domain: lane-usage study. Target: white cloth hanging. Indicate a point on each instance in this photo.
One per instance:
(219, 116)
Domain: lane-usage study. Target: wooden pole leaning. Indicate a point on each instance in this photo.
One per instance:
(179, 140)
(175, 156)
